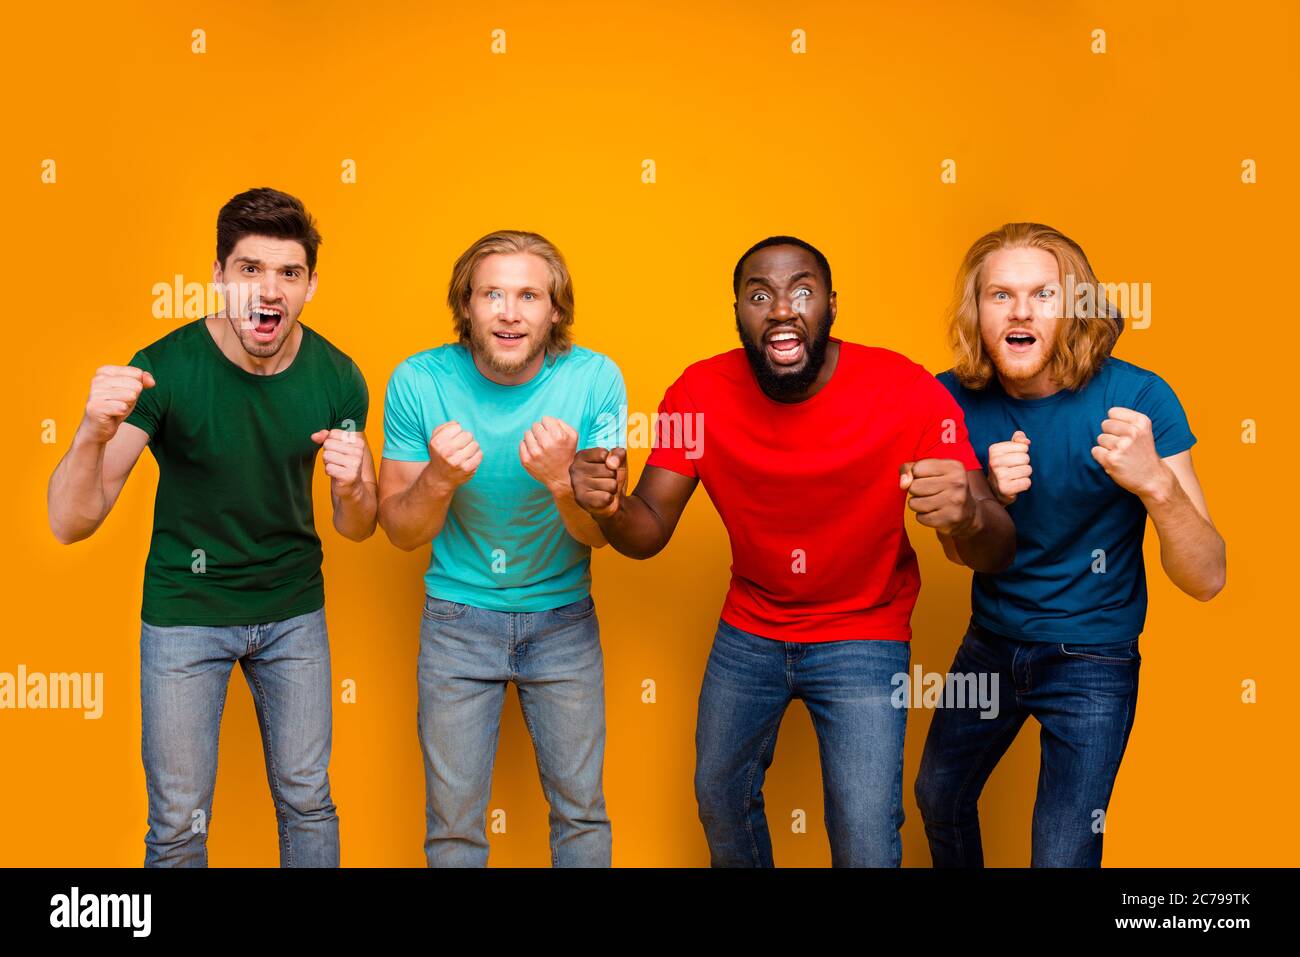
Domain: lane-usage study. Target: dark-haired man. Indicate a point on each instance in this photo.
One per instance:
(812, 445)
(1081, 447)
(235, 408)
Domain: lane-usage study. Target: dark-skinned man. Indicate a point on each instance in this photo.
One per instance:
(812, 446)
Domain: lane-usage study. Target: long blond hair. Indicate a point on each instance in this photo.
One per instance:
(507, 241)
(1083, 342)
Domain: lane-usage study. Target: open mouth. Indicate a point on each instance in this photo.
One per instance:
(1020, 341)
(509, 338)
(784, 347)
(266, 322)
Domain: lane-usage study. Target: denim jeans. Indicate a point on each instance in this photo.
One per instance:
(846, 686)
(467, 657)
(1084, 697)
(184, 673)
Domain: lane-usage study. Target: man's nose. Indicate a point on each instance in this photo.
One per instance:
(266, 288)
(781, 308)
(1020, 308)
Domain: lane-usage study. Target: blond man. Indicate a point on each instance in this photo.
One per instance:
(478, 438)
(1081, 448)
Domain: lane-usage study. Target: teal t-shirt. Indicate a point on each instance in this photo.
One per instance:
(503, 545)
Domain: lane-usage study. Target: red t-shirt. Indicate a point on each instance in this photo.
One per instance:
(809, 490)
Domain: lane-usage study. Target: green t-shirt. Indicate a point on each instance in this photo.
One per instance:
(234, 538)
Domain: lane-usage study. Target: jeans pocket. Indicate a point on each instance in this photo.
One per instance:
(577, 610)
(1115, 652)
(443, 610)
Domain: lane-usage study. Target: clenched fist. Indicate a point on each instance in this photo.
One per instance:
(546, 452)
(453, 455)
(114, 392)
(1009, 468)
(939, 494)
(342, 456)
(599, 477)
(1126, 449)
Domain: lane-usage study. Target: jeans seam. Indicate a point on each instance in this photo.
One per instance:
(487, 799)
(216, 761)
(456, 617)
(588, 613)
(270, 763)
(749, 790)
(900, 816)
(965, 784)
(550, 799)
(1103, 658)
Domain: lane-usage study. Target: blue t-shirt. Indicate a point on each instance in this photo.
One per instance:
(504, 546)
(1073, 521)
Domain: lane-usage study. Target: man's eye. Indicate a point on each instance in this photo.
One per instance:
(998, 294)
(529, 295)
(804, 290)
(250, 268)
(1047, 293)
(494, 294)
(290, 274)
(757, 296)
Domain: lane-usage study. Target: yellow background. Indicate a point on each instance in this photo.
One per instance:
(1135, 153)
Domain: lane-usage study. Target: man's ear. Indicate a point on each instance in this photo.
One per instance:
(833, 304)
(216, 272)
(311, 286)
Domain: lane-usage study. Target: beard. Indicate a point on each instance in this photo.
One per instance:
(786, 386)
(261, 350)
(1020, 371)
(481, 346)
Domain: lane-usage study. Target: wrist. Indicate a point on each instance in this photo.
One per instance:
(1160, 489)
(435, 486)
(613, 515)
(353, 491)
(86, 439)
(561, 491)
(972, 526)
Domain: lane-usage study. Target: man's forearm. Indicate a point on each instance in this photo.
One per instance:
(415, 517)
(355, 512)
(989, 544)
(75, 498)
(577, 522)
(634, 529)
(1192, 551)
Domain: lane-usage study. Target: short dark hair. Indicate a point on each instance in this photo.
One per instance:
(822, 263)
(266, 212)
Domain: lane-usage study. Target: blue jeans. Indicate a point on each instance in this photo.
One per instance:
(846, 686)
(1084, 697)
(184, 673)
(467, 656)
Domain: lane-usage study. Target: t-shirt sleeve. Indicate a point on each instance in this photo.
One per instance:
(670, 451)
(608, 426)
(940, 424)
(356, 401)
(404, 438)
(1169, 426)
(148, 410)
